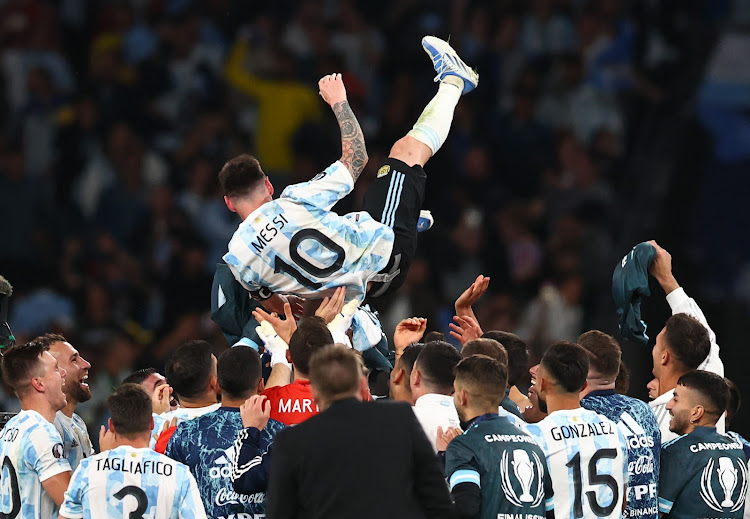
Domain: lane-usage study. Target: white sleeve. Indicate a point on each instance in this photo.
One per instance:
(44, 453)
(682, 304)
(324, 189)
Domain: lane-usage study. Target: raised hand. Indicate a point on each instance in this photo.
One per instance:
(445, 437)
(330, 307)
(332, 89)
(471, 295)
(285, 328)
(407, 332)
(661, 269)
(255, 412)
(466, 329)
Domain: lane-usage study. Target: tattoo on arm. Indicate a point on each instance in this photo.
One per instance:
(353, 150)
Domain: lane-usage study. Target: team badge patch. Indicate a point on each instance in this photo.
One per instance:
(58, 451)
(384, 171)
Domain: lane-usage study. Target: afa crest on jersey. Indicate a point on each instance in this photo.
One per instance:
(384, 171)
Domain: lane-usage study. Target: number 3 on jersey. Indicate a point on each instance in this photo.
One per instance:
(140, 498)
(594, 478)
(324, 241)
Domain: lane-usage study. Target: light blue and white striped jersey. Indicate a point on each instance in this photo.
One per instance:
(132, 482)
(296, 245)
(75, 438)
(587, 460)
(31, 451)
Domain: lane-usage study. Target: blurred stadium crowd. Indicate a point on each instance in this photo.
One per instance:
(117, 116)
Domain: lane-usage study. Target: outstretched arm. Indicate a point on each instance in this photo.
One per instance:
(353, 150)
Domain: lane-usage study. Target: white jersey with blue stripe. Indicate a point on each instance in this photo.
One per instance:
(587, 460)
(297, 245)
(31, 452)
(75, 438)
(132, 482)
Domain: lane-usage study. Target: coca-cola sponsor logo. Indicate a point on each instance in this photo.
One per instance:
(226, 496)
(643, 465)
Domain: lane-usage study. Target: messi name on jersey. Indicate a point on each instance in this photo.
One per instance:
(135, 466)
(582, 430)
(269, 232)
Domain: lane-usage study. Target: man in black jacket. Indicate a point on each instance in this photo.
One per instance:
(355, 459)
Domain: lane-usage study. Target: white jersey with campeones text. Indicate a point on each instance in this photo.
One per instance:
(132, 482)
(587, 460)
(31, 452)
(296, 245)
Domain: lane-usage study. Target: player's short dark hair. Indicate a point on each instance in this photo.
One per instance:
(518, 354)
(239, 372)
(484, 378)
(568, 363)
(49, 339)
(311, 335)
(488, 347)
(605, 352)
(687, 339)
(433, 336)
(130, 409)
(711, 387)
(188, 369)
(21, 363)
(407, 359)
(436, 363)
(240, 176)
(335, 372)
(137, 377)
(734, 400)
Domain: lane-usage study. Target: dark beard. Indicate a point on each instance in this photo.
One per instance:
(79, 394)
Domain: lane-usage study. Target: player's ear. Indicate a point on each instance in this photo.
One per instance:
(230, 204)
(364, 388)
(696, 413)
(269, 186)
(399, 376)
(111, 426)
(289, 357)
(38, 384)
(665, 357)
(151, 427)
(261, 387)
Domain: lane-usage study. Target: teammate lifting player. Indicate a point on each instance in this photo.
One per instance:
(296, 245)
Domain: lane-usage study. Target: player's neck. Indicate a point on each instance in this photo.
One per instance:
(298, 375)
(137, 442)
(598, 383)
(472, 412)
(246, 207)
(202, 401)
(69, 408)
(668, 381)
(228, 402)
(562, 402)
(41, 407)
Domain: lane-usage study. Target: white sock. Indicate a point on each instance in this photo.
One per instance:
(434, 123)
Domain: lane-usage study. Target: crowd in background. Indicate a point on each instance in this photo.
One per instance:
(119, 114)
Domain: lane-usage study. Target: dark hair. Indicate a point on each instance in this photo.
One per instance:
(407, 360)
(137, 377)
(518, 354)
(711, 387)
(240, 176)
(622, 382)
(488, 347)
(436, 363)
(48, 339)
(687, 339)
(568, 363)
(433, 336)
(484, 378)
(605, 352)
(734, 400)
(188, 369)
(335, 372)
(311, 335)
(239, 372)
(130, 409)
(21, 363)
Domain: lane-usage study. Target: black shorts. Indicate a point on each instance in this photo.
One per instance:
(395, 199)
